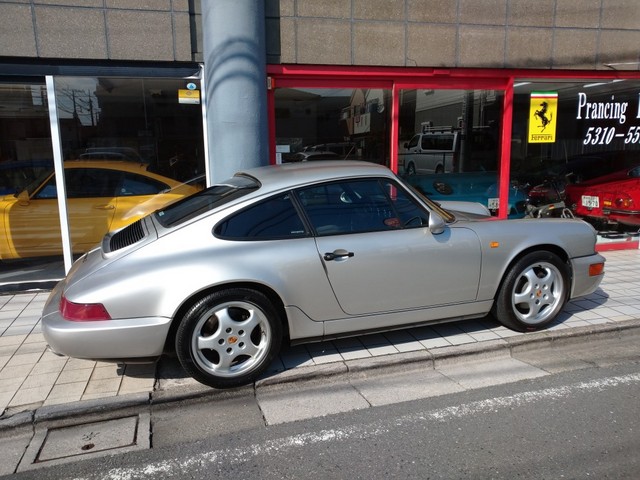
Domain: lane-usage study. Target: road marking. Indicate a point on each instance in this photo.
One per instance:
(204, 461)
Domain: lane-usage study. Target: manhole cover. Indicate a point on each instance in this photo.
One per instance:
(62, 444)
(89, 438)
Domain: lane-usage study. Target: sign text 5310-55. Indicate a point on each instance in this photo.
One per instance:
(605, 112)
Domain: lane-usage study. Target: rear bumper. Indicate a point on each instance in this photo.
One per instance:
(129, 338)
(583, 283)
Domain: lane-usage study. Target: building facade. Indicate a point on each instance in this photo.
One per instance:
(522, 106)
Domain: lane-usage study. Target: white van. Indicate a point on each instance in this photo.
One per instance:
(435, 150)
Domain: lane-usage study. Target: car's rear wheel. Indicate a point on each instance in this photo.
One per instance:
(229, 338)
(533, 292)
(411, 169)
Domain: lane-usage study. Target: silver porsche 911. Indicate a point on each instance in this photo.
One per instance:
(304, 252)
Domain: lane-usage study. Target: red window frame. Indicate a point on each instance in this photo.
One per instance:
(399, 78)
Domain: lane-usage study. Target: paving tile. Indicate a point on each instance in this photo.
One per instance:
(30, 396)
(51, 366)
(136, 385)
(380, 350)
(37, 381)
(12, 340)
(351, 348)
(73, 363)
(27, 359)
(22, 330)
(107, 385)
(5, 398)
(403, 341)
(105, 371)
(12, 384)
(324, 352)
(296, 356)
(74, 376)
(27, 348)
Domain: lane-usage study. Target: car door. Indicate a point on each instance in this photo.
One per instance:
(380, 256)
(34, 223)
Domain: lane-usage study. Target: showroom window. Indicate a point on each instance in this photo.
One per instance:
(332, 124)
(129, 146)
(574, 145)
(449, 145)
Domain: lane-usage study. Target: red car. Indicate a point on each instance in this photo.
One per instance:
(612, 199)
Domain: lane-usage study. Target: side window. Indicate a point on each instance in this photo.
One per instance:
(359, 206)
(275, 218)
(413, 142)
(49, 190)
(428, 142)
(84, 183)
(410, 214)
(134, 184)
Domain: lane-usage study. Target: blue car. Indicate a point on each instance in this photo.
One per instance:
(480, 187)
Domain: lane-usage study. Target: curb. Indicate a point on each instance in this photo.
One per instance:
(387, 364)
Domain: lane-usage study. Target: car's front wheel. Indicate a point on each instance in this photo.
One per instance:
(533, 292)
(229, 338)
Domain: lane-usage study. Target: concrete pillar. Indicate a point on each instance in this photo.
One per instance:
(235, 85)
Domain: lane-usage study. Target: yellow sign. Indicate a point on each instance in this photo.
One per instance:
(543, 112)
(188, 96)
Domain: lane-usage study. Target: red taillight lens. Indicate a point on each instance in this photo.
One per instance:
(624, 202)
(83, 312)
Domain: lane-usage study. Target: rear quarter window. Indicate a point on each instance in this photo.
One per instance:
(276, 218)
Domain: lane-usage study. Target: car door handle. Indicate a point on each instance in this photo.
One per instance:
(105, 206)
(336, 254)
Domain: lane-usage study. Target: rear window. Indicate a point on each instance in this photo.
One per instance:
(206, 200)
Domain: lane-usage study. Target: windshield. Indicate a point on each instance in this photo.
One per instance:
(206, 200)
(445, 214)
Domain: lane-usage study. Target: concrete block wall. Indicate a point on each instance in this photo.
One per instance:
(155, 30)
(585, 34)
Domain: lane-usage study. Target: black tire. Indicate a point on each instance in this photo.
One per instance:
(411, 169)
(228, 338)
(533, 292)
(439, 169)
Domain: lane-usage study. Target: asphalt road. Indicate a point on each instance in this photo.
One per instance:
(582, 423)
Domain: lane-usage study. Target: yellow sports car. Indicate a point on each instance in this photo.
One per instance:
(101, 196)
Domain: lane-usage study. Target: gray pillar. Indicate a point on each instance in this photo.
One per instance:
(235, 85)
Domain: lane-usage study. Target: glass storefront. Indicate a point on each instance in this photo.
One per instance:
(520, 145)
(332, 124)
(129, 146)
(576, 149)
(449, 145)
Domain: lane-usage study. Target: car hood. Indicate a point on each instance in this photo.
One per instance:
(468, 210)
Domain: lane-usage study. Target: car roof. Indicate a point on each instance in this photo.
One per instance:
(286, 175)
(108, 164)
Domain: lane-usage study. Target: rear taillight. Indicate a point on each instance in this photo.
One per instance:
(83, 312)
(624, 202)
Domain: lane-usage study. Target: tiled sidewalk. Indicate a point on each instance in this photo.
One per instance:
(31, 376)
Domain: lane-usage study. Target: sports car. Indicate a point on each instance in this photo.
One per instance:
(102, 195)
(308, 251)
(609, 200)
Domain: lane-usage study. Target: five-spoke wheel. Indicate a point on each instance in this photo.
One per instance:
(533, 293)
(229, 338)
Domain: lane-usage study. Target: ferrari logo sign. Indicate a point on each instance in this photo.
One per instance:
(543, 111)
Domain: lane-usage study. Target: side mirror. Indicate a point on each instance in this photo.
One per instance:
(23, 198)
(406, 144)
(436, 223)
